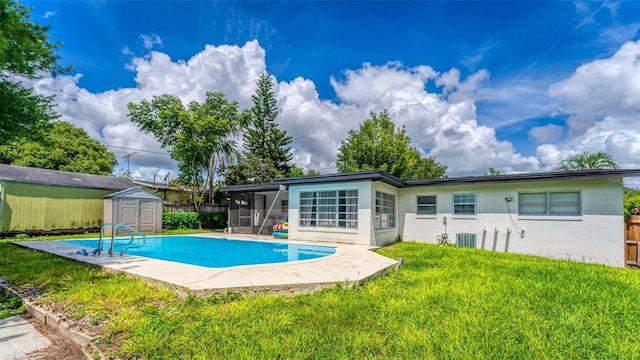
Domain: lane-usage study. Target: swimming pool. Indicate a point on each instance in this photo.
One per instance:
(212, 252)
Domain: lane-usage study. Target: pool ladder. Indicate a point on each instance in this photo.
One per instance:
(124, 228)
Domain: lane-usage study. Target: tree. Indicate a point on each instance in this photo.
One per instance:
(296, 171)
(249, 170)
(266, 152)
(263, 139)
(493, 172)
(199, 135)
(25, 51)
(22, 114)
(378, 145)
(65, 147)
(586, 161)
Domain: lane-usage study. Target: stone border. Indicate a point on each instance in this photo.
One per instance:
(57, 324)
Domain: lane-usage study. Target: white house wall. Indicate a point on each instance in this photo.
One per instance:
(363, 235)
(596, 236)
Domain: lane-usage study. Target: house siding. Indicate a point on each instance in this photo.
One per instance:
(363, 235)
(595, 236)
(41, 207)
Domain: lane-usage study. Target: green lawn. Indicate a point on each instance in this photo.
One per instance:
(447, 303)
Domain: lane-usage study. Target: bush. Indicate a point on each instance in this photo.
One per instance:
(179, 220)
(189, 220)
(214, 220)
(631, 204)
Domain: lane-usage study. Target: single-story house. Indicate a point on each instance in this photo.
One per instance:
(573, 215)
(34, 199)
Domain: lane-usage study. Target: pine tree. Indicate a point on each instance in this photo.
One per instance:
(262, 139)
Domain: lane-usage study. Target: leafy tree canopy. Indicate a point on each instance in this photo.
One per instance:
(199, 135)
(24, 46)
(64, 147)
(378, 145)
(25, 50)
(586, 161)
(22, 114)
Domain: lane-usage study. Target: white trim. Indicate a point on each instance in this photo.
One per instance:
(426, 216)
(550, 217)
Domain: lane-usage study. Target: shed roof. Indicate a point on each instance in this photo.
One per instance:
(20, 174)
(134, 192)
(378, 175)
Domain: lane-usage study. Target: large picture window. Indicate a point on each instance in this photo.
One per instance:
(464, 204)
(333, 208)
(426, 205)
(385, 210)
(561, 203)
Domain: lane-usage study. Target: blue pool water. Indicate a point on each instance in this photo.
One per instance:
(212, 252)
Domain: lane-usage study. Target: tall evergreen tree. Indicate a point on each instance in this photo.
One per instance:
(262, 139)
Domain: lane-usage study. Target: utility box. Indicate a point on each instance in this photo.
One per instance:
(135, 207)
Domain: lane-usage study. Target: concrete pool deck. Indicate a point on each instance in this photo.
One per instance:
(351, 264)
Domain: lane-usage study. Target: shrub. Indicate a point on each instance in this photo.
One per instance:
(631, 204)
(179, 220)
(214, 220)
(189, 220)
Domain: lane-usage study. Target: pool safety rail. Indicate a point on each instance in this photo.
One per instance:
(125, 229)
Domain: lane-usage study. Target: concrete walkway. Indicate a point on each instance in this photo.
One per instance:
(18, 338)
(349, 265)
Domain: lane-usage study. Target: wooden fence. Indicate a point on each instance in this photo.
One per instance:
(204, 208)
(632, 240)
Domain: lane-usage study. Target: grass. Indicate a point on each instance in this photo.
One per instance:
(447, 303)
(10, 306)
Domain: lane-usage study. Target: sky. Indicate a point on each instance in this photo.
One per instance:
(512, 85)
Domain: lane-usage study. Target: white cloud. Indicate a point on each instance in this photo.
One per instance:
(603, 99)
(149, 41)
(547, 133)
(605, 86)
(372, 83)
(49, 14)
(619, 33)
(442, 124)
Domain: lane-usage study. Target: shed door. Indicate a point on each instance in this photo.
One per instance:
(147, 216)
(129, 214)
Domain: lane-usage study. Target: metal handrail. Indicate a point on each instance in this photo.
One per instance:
(127, 229)
(102, 233)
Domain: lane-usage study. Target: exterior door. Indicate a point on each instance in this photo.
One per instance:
(147, 216)
(243, 204)
(129, 212)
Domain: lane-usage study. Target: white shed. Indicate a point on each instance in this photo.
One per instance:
(135, 207)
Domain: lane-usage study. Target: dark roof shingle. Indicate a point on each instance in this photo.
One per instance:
(9, 173)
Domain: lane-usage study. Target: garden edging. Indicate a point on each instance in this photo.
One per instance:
(64, 328)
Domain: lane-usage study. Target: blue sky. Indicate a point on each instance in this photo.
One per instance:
(498, 81)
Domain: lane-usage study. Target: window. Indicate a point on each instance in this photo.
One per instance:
(464, 204)
(426, 205)
(284, 206)
(561, 203)
(335, 208)
(385, 210)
